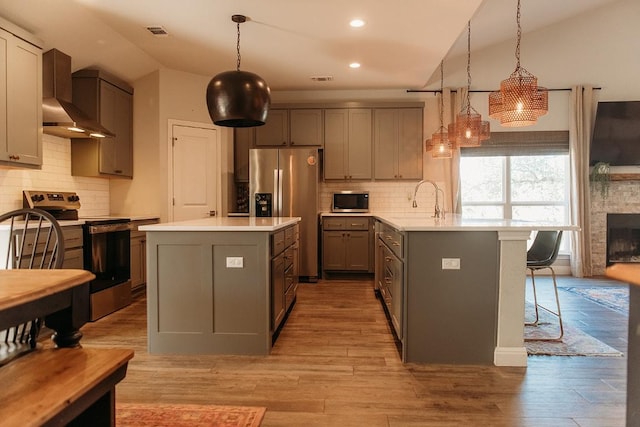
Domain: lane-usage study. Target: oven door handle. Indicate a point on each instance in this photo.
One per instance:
(110, 228)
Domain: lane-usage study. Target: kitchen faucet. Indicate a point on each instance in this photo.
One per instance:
(437, 213)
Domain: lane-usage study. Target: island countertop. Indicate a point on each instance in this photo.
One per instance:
(223, 223)
(425, 222)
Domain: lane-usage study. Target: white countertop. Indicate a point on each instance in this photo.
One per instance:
(223, 223)
(422, 222)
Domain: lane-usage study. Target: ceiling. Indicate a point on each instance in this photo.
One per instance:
(285, 41)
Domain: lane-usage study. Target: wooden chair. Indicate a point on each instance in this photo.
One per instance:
(31, 239)
(542, 254)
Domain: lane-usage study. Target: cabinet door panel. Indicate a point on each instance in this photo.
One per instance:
(385, 143)
(275, 131)
(277, 291)
(359, 144)
(357, 250)
(24, 92)
(336, 136)
(4, 46)
(306, 127)
(333, 250)
(410, 150)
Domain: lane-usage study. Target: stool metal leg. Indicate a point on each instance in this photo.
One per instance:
(557, 313)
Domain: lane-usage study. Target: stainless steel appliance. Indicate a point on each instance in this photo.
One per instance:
(284, 182)
(106, 246)
(350, 201)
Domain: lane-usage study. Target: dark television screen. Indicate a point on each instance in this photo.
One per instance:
(616, 134)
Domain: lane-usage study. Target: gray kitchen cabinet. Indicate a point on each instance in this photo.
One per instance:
(20, 100)
(389, 273)
(347, 144)
(284, 270)
(346, 244)
(108, 100)
(73, 255)
(397, 141)
(291, 127)
(138, 254)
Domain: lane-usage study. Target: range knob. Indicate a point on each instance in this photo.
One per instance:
(74, 198)
(37, 198)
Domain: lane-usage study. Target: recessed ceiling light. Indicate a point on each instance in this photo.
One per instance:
(354, 65)
(357, 23)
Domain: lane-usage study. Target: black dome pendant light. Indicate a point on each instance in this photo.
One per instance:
(238, 98)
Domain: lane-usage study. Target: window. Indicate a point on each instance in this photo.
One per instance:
(523, 184)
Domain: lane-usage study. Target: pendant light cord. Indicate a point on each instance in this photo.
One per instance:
(238, 48)
(441, 96)
(468, 69)
(519, 35)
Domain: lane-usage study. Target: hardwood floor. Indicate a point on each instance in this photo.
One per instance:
(336, 364)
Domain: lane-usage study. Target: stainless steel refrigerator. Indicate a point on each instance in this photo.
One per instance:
(284, 182)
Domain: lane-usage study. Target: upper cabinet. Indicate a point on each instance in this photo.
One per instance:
(20, 98)
(398, 143)
(108, 100)
(347, 144)
(290, 127)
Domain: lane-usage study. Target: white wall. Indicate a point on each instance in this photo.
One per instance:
(159, 97)
(55, 175)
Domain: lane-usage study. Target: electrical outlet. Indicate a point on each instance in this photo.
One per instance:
(451, 263)
(235, 262)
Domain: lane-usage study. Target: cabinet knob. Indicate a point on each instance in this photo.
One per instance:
(293, 143)
(118, 171)
(13, 157)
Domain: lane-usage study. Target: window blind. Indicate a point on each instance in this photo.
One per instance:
(532, 143)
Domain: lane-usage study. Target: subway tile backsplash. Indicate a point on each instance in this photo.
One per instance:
(55, 175)
(384, 197)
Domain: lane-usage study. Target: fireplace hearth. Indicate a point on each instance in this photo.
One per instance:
(623, 238)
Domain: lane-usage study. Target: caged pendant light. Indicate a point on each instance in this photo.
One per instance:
(520, 101)
(439, 144)
(469, 130)
(238, 98)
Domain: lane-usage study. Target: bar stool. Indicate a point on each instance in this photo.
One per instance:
(542, 253)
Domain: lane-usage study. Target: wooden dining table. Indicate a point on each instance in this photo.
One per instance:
(61, 297)
(630, 273)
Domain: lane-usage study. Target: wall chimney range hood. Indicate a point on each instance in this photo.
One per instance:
(59, 116)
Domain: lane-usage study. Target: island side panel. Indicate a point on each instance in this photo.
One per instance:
(198, 305)
(451, 315)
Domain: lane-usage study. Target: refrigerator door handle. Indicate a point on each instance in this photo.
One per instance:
(279, 194)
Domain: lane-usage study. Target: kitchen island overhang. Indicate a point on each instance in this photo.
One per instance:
(209, 285)
(504, 254)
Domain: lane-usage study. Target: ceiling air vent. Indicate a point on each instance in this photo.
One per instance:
(158, 31)
(322, 78)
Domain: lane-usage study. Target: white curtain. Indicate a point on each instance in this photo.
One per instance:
(452, 170)
(582, 109)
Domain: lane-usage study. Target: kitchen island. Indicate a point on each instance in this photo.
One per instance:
(460, 296)
(219, 285)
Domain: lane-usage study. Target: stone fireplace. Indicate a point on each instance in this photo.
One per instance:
(623, 198)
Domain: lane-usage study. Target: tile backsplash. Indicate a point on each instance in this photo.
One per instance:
(55, 175)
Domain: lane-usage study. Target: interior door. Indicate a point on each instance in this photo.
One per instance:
(195, 172)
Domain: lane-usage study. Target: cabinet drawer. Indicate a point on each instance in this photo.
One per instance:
(277, 243)
(73, 259)
(357, 223)
(334, 223)
(393, 239)
(289, 236)
(72, 237)
(288, 257)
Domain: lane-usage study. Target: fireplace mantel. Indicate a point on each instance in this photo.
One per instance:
(625, 177)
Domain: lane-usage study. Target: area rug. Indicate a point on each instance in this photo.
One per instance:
(574, 342)
(613, 297)
(180, 415)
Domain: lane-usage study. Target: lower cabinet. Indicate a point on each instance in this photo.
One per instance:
(139, 254)
(73, 256)
(284, 274)
(389, 275)
(347, 244)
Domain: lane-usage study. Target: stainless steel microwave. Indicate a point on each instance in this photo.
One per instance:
(350, 201)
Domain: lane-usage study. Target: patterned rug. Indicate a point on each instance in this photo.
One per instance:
(180, 415)
(574, 342)
(613, 297)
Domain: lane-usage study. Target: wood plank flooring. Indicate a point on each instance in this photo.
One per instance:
(336, 364)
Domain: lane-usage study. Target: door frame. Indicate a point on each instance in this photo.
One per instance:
(174, 122)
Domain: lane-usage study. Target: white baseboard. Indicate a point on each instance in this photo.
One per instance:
(510, 356)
